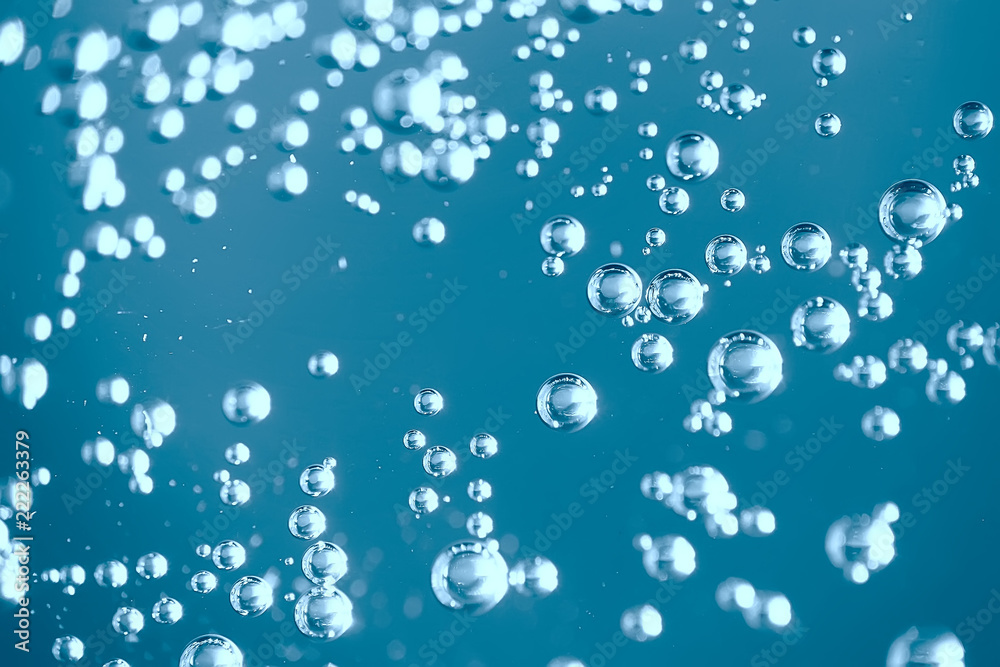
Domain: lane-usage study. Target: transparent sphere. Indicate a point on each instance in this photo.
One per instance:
(973, 120)
(675, 296)
(251, 596)
(439, 461)
(203, 582)
(234, 492)
(829, 63)
(738, 99)
(167, 611)
(469, 576)
(674, 200)
(880, 424)
(912, 211)
(67, 649)
(652, 353)
(211, 651)
(614, 289)
(324, 612)
(563, 236)
(726, 254)
(247, 403)
(151, 565)
(324, 563)
(534, 577)
(804, 36)
(806, 247)
(745, 365)
(903, 262)
(414, 439)
(317, 480)
(424, 500)
(306, 522)
(566, 402)
(323, 364)
(828, 125)
(692, 156)
(553, 266)
(483, 446)
(820, 324)
(128, 621)
(112, 574)
(229, 555)
(655, 237)
(927, 647)
(428, 402)
(733, 200)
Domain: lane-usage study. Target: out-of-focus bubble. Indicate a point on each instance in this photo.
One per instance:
(693, 50)
(903, 262)
(667, 558)
(247, 403)
(601, 100)
(820, 324)
(470, 576)
(642, 623)
(323, 364)
(428, 231)
(880, 424)
(804, 36)
(875, 307)
(534, 577)
(933, 647)
(862, 544)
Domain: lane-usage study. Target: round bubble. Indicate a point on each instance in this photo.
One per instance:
(306, 522)
(553, 267)
(317, 480)
(439, 461)
(428, 402)
(806, 247)
(903, 262)
(323, 364)
(804, 36)
(726, 254)
(973, 120)
(674, 200)
(733, 200)
(692, 156)
(745, 365)
(614, 289)
(211, 651)
(601, 100)
(880, 424)
(423, 500)
(738, 99)
(828, 125)
(229, 555)
(324, 612)
(128, 621)
(404, 98)
(247, 403)
(912, 211)
(484, 446)
(829, 63)
(820, 324)
(563, 236)
(534, 577)
(675, 296)
(324, 563)
(251, 596)
(566, 402)
(469, 576)
(652, 353)
(414, 439)
(167, 611)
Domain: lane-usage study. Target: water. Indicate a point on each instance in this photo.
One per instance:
(244, 236)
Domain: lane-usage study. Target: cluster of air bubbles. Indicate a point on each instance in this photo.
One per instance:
(23, 380)
(704, 415)
(827, 124)
(745, 365)
(642, 623)
(545, 31)
(936, 647)
(907, 356)
(965, 169)
(640, 69)
(692, 156)
(566, 402)
(862, 544)
(362, 202)
(759, 608)
(828, 64)
(428, 231)
(972, 120)
(867, 372)
(561, 236)
(363, 134)
(757, 521)
(880, 423)
(759, 262)
(820, 324)
(698, 491)
(535, 577)
(471, 576)
(667, 558)
(944, 385)
(545, 95)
